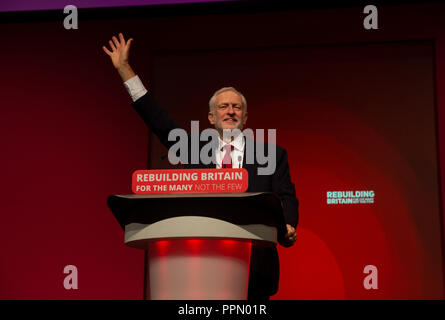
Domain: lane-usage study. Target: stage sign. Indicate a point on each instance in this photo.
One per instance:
(190, 181)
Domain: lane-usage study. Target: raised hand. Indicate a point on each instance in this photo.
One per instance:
(119, 54)
(119, 50)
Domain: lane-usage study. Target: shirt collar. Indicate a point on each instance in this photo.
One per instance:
(237, 143)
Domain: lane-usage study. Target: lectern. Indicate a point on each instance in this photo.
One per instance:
(198, 245)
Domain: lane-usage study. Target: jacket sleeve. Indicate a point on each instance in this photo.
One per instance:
(283, 186)
(156, 118)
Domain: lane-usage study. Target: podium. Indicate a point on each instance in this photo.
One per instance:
(198, 245)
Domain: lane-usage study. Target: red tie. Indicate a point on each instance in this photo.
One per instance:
(227, 160)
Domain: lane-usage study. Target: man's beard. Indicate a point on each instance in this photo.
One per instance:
(219, 127)
(229, 135)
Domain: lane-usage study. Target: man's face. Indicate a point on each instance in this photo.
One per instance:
(228, 112)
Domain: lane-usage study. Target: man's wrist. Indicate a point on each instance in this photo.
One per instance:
(126, 72)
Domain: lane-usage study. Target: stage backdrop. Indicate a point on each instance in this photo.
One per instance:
(358, 122)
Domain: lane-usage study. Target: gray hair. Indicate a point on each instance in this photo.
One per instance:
(212, 101)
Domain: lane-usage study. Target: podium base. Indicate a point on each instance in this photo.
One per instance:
(197, 269)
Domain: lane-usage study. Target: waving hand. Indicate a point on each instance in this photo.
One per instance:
(119, 53)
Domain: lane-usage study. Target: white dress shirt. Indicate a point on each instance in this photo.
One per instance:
(136, 90)
(237, 153)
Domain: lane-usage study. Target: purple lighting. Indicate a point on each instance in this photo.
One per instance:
(26, 5)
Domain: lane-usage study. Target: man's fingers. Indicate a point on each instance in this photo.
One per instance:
(291, 234)
(121, 39)
(290, 237)
(290, 230)
(107, 51)
(129, 42)
(112, 45)
(116, 43)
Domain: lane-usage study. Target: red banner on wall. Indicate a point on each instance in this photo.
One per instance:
(190, 181)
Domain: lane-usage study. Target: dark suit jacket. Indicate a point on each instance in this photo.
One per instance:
(264, 271)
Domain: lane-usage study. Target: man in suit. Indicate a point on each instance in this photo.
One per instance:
(227, 111)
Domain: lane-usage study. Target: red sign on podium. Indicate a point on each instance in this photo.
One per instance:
(190, 181)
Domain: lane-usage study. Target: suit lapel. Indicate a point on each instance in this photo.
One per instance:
(250, 167)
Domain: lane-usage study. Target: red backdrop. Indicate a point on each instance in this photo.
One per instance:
(355, 109)
(349, 117)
